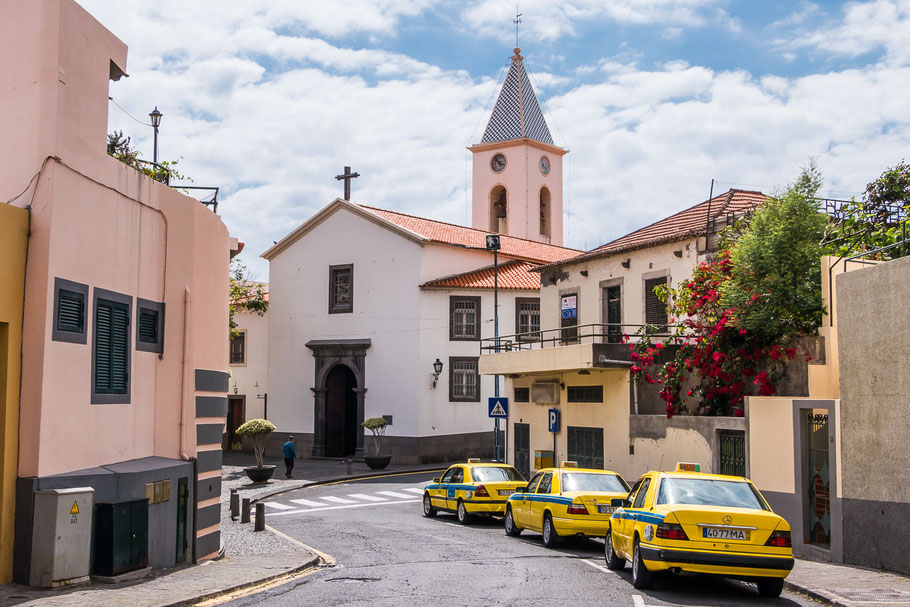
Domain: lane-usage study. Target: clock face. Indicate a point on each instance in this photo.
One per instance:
(498, 163)
(544, 165)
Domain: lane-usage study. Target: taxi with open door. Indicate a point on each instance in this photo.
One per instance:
(566, 501)
(689, 522)
(472, 489)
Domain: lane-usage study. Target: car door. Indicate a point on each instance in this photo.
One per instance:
(438, 495)
(454, 488)
(521, 509)
(634, 512)
(540, 502)
(621, 522)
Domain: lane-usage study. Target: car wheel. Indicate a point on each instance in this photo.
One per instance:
(771, 587)
(464, 517)
(641, 577)
(550, 537)
(614, 561)
(511, 528)
(428, 510)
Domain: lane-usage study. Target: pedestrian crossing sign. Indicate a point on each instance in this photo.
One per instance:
(499, 407)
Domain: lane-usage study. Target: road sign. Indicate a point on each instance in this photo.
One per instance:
(499, 406)
(554, 420)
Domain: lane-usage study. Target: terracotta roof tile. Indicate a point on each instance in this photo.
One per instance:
(448, 233)
(513, 274)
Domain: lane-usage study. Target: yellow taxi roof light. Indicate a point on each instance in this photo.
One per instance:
(687, 467)
(473, 460)
(570, 464)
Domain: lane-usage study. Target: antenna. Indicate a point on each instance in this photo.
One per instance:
(517, 22)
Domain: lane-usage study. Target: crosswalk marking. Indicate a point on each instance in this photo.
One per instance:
(369, 498)
(410, 500)
(416, 490)
(337, 500)
(395, 495)
(278, 506)
(309, 503)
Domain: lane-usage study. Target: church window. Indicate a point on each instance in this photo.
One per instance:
(655, 309)
(238, 348)
(341, 289)
(544, 212)
(464, 318)
(464, 381)
(499, 204)
(527, 318)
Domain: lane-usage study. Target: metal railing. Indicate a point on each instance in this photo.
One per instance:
(595, 333)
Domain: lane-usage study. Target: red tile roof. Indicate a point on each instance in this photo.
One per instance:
(685, 224)
(513, 274)
(451, 234)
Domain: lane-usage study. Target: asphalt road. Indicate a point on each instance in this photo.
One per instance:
(387, 553)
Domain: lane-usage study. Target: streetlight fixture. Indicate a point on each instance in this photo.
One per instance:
(155, 115)
(437, 370)
(493, 244)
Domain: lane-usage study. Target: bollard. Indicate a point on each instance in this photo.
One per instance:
(350, 466)
(260, 517)
(235, 504)
(245, 511)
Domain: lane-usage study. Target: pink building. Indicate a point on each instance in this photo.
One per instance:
(125, 349)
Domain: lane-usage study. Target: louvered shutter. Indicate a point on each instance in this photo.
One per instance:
(112, 321)
(103, 320)
(120, 349)
(70, 311)
(148, 325)
(655, 309)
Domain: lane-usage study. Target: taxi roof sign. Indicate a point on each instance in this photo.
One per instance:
(570, 464)
(687, 467)
(473, 460)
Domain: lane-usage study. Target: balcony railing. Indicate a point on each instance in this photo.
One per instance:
(597, 333)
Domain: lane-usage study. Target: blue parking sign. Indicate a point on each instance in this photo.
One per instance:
(499, 406)
(553, 418)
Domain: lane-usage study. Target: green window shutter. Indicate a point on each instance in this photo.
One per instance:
(655, 309)
(103, 320)
(120, 349)
(148, 325)
(70, 311)
(112, 323)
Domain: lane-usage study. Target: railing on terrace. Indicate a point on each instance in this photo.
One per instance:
(597, 333)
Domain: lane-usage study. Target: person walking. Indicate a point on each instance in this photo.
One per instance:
(290, 454)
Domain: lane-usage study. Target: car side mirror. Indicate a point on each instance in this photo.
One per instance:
(619, 502)
(436, 480)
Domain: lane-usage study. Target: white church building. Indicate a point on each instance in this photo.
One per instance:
(365, 303)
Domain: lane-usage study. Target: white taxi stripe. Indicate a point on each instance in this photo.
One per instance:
(369, 498)
(309, 503)
(416, 490)
(278, 506)
(395, 495)
(337, 500)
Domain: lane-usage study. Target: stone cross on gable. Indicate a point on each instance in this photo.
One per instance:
(347, 176)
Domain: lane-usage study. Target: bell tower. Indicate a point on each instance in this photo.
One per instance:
(517, 172)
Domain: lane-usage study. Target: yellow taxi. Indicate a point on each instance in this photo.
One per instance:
(688, 522)
(470, 489)
(560, 502)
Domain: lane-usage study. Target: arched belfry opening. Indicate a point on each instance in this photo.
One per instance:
(499, 205)
(545, 210)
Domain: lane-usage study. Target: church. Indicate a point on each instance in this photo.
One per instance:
(375, 313)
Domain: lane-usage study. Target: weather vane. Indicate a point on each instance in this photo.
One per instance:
(517, 21)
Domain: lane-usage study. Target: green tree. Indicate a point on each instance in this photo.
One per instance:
(246, 295)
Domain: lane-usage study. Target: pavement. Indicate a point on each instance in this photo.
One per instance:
(257, 560)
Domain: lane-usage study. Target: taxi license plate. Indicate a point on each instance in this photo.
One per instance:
(716, 533)
(605, 509)
(506, 491)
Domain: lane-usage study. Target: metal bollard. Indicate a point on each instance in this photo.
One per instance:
(260, 517)
(235, 504)
(245, 511)
(349, 463)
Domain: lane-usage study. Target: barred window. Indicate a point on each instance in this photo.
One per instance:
(238, 348)
(585, 394)
(527, 318)
(341, 289)
(464, 318)
(464, 382)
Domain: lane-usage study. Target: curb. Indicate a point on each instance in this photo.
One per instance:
(340, 479)
(815, 594)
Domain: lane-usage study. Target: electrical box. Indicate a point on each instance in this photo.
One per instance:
(121, 536)
(543, 459)
(61, 537)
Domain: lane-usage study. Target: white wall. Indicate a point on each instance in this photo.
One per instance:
(251, 377)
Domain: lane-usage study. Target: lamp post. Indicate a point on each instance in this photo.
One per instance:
(155, 115)
(493, 244)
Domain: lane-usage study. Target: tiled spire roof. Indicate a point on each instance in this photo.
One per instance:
(517, 114)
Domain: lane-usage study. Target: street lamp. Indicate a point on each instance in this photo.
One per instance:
(493, 244)
(155, 115)
(437, 369)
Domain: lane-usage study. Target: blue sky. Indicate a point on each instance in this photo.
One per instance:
(654, 98)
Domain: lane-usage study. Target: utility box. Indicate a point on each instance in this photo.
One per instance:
(543, 459)
(121, 536)
(61, 537)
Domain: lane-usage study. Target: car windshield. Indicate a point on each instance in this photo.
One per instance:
(589, 481)
(490, 474)
(708, 492)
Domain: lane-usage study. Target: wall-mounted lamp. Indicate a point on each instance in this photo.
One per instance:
(437, 370)
(626, 263)
(235, 387)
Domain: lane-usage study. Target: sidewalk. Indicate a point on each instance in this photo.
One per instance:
(845, 586)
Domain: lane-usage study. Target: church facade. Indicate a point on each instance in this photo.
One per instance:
(378, 313)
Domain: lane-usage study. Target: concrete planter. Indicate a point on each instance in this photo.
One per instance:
(377, 462)
(259, 475)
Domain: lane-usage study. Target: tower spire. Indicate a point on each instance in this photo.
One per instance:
(517, 114)
(517, 22)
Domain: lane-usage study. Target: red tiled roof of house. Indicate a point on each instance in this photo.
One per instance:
(685, 224)
(514, 274)
(451, 234)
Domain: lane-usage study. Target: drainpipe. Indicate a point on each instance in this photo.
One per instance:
(634, 392)
(186, 362)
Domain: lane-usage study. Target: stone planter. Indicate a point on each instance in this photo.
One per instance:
(259, 475)
(377, 462)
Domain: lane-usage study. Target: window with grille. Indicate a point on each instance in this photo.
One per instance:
(70, 300)
(585, 446)
(585, 394)
(238, 348)
(464, 318)
(111, 348)
(527, 318)
(464, 382)
(149, 326)
(522, 395)
(341, 289)
(655, 309)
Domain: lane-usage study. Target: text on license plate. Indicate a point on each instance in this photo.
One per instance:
(717, 533)
(506, 491)
(605, 509)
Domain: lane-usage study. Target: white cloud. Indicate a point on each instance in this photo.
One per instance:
(671, 33)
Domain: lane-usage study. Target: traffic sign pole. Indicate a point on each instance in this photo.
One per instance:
(496, 446)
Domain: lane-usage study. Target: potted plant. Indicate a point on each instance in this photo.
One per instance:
(377, 426)
(258, 430)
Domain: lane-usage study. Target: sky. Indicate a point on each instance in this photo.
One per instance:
(653, 98)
